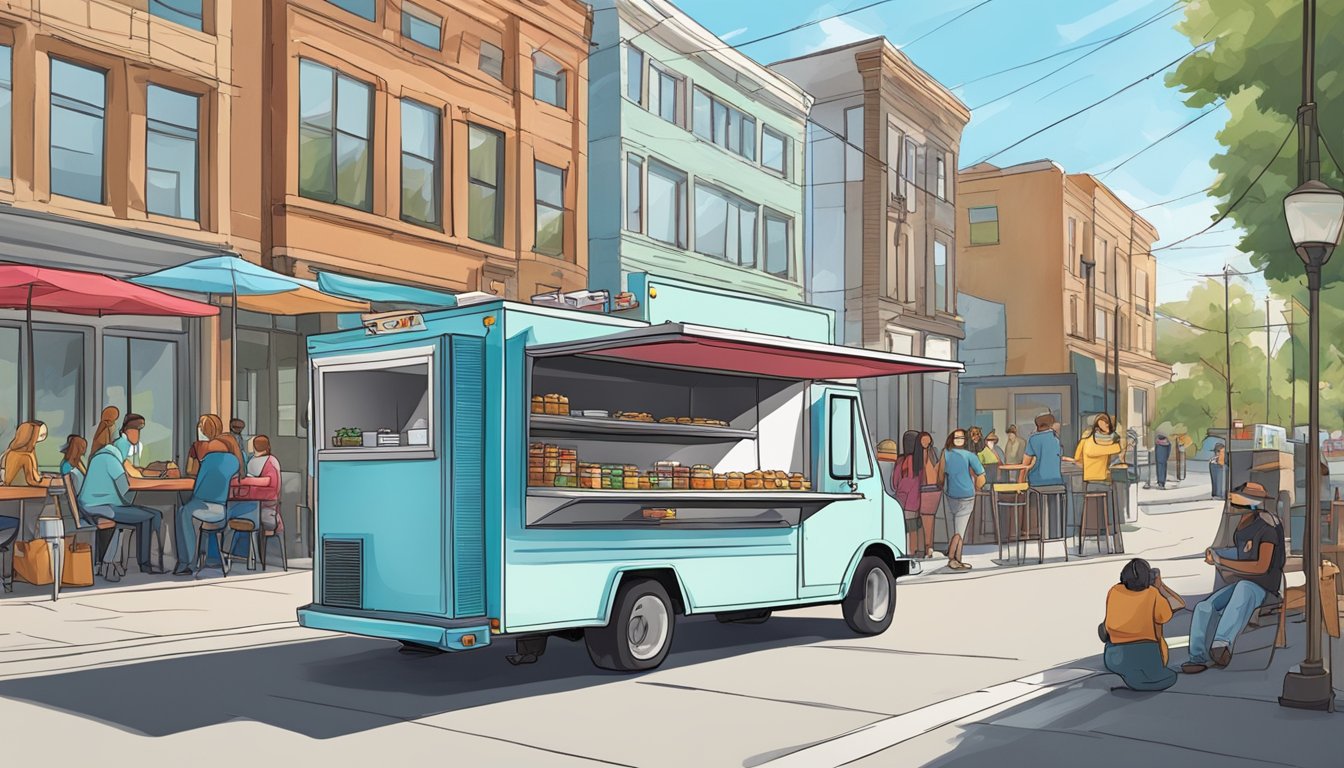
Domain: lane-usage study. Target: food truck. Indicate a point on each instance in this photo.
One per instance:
(504, 470)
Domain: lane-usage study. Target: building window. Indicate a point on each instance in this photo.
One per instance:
(664, 93)
(634, 74)
(78, 102)
(185, 12)
(492, 60)
(1112, 274)
(634, 193)
(1101, 330)
(422, 26)
(550, 183)
(6, 111)
(335, 126)
(58, 375)
(366, 9)
(716, 122)
(1141, 291)
(485, 193)
(911, 268)
(778, 244)
(854, 140)
(667, 204)
(774, 151)
(1073, 246)
(1073, 315)
(940, 284)
(140, 376)
(171, 152)
(420, 168)
(894, 161)
(548, 80)
(725, 226)
(942, 178)
(984, 225)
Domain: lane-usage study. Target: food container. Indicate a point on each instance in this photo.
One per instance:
(591, 414)
(702, 477)
(551, 405)
(755, 481)
(538, 404)
(564, 405)
(631, 481)
(735, 481)
(796, 481)
(590, 476)
(720, 482)
(645, 482)
(658, 513)
(681, 479)
(807, 486)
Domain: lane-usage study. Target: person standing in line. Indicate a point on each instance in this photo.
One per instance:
(906, 482)
(963, 475)
(1014, 447)
(1162, 454)
(1217, 466)
(930, 489)
(106, 430)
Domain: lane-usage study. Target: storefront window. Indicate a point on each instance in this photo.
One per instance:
(78, 102)
(140, 376)
(9, 383)
(58, 369)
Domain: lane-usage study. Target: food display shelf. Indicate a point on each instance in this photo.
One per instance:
(542, 425)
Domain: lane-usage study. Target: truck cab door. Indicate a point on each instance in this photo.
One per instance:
(844, 464)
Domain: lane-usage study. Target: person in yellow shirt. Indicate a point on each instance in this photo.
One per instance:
(20, 461)
(1095, 450)
(1136, 610)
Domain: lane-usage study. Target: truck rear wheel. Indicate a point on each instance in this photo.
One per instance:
(871, 601)
(638, 634)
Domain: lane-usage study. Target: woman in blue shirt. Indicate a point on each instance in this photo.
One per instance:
(221, 464)
(72, 463)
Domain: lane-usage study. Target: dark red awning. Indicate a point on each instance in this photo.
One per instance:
(679, 345)
(43, 289)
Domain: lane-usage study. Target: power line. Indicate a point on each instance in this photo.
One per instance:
(1177, 199)
(981, 4)
(791, 30)
(1100, 45)
(1168, 135)
(1291, 129)
(1099, 102)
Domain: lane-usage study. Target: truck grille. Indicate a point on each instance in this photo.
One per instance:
(343, 573)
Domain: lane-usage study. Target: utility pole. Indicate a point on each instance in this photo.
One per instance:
(1269, 386)
(1227, 341)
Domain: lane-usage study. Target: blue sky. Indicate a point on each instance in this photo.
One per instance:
(1005, 33)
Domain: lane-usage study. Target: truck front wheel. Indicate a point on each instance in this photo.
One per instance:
(871, 601)
(638, 635)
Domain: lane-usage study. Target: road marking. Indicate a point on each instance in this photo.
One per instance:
(870, 739)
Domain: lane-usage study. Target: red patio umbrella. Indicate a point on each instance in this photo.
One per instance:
(27, 287)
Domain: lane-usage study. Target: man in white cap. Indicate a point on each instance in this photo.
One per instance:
(1254, 570)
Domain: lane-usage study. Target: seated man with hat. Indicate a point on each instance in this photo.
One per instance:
(1254, 570)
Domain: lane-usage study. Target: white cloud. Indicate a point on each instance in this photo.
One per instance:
(836, 32)
(731, 35)
(1077, 30)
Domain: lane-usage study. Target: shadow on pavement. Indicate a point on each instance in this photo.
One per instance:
(334, 687)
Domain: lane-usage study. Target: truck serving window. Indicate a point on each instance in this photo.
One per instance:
(377, 407)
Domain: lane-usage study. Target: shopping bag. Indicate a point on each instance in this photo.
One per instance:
(77, 567)
(32, 561)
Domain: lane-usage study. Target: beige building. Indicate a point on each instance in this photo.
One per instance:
(883, 246)
(1072, 265)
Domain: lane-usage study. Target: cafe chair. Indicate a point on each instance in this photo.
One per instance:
(249, 529)
(1010, 502)
(1103, 510)
(277, 533)
(215, 531)
(102, 530)
(9, 530)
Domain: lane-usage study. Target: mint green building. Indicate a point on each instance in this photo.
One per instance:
(695, 158)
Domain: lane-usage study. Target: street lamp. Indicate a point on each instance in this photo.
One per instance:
(1315, 215)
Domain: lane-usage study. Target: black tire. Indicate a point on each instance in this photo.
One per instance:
(856, 607)
(616, 646)
(743, 617)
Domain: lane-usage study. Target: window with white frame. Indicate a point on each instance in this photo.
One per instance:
(1141, 291)
(664, 93)
(716, 122)
(774, 150)
(725, 226)
(1073, 246)
(634, 193)
(778, 244)
(666, 204)
(634, 74)
(549, 80)
(910, 172)
(940, 187)
(1101, 329)
(940, 272)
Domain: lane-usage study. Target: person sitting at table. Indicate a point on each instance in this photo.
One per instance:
(256, 497)
(220, 465)
(105, 432)
(208, 428)
(236, 427)
(107, 491)
(20, 461)
(72, 461)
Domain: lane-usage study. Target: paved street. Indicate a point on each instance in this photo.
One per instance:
(997, 667)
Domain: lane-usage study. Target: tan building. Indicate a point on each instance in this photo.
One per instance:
(884, 143)
(1072, 265)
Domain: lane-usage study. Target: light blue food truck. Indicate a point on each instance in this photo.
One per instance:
(505, 470)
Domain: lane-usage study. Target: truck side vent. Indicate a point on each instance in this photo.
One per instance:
(343, 573)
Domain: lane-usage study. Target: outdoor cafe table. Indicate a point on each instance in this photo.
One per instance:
(179, 486)
(23, 494)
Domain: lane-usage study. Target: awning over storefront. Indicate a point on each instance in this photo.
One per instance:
(257, 289)
(684, 346)
(380, 292)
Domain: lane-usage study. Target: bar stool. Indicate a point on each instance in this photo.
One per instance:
(237, 526)
(1105, 500)
(1043, 495)
(1016, 506)
(215, 530)
(277, 533)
